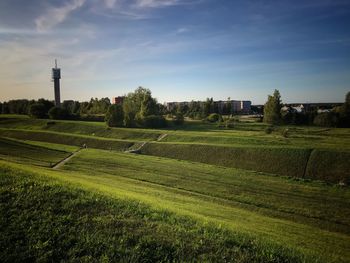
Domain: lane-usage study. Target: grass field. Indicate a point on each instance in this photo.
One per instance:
(107, 205)
(16, 151)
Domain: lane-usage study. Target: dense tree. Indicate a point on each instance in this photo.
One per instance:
(272, 108)
(148, 106)
(214, 117)
(344, 112)
(178, 117)
(326, 119)
(140, 109)
(115, 116)
(37, 110)
(57, 113)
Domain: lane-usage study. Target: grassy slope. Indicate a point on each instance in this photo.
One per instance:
(282, 161)
(310, 216)
(12, 150)
(67, 138)
(48, 221)
(196, 132)
(203, 142)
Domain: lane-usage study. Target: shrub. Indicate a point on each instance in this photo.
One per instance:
(269, 129)
(37, 110)
(326, 119)
(178, 119)
(214, 117)
(115, 116)
(153, 121)
(57, 113)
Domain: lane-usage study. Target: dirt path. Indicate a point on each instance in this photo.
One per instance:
(62, 162)
(161, 137)
(138, 150)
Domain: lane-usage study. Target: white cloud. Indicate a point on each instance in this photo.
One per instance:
(157, 3)
(182, 30)
(56, 15)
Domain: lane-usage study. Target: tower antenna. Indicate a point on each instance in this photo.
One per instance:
(55, 63)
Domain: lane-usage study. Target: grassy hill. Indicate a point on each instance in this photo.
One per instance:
(193, 200)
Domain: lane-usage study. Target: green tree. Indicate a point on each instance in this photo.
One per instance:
(37, 110)
(115, 116)
(272, 108)
(148, 106)
(57, 113)
(344, 112)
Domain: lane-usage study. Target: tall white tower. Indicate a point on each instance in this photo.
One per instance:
(56, 76)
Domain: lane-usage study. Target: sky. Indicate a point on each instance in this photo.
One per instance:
(181, 50)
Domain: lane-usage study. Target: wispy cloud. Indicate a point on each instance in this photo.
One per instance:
(156, 3)
(56, 15)
(110, 3)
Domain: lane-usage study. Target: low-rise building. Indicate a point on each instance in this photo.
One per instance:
(118, 100)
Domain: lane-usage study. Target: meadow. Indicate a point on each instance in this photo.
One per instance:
(199, 193)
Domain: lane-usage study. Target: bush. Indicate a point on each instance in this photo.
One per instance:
(37, 110)
(269, 129)
(115, 116)
(57, 113)
(326, 119)
(153, 121)
(178, 119)
(214, 117)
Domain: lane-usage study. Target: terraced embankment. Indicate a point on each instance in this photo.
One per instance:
(310, 153)
(327, 165)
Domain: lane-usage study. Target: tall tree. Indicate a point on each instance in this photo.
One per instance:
(115, 116)
(272, 108)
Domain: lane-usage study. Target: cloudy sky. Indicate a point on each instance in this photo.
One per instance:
(180, 49)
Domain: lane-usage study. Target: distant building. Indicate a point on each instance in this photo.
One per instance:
(236, 106)
(118, 100)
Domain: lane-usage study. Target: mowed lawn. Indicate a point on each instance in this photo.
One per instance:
(34, 153)
(309, 218)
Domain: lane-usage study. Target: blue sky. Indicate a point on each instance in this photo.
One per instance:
(181, 50)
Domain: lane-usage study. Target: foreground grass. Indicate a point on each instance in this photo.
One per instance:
(310, 219)
(49, 221)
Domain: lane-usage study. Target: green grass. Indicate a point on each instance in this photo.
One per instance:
(66, 138)
(244, 133)
(330, 166)
(16, 151)
(247, 146)
(282, 161)
(311, 219)
(48, 221)
(96, 129)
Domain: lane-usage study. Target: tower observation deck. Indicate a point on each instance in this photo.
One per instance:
(56, 76)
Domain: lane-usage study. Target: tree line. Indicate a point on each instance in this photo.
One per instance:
(95, 109)
(336, 117)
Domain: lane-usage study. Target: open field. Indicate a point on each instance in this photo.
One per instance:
(111, 205)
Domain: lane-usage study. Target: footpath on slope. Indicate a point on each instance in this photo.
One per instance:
(138, 150)
(63, 161)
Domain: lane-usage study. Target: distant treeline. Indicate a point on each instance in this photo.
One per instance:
(140, 109)
(275, 113)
